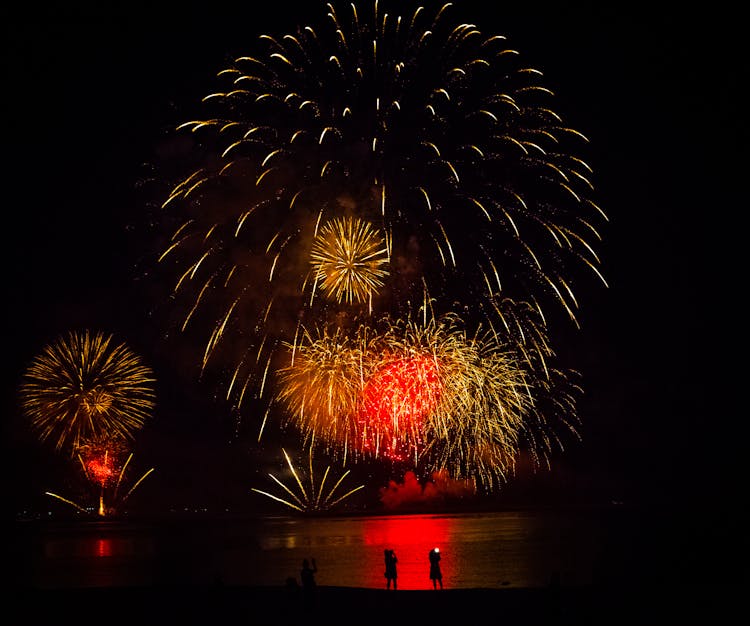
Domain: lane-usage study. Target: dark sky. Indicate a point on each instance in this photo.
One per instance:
(88, 97)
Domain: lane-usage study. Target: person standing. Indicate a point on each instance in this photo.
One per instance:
(307, 576)
(391, 573)
(436, 575)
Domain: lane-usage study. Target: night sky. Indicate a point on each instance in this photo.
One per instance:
(89, 98)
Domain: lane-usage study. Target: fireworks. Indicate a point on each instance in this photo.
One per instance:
(104, 470)
(431, 393)
(314, 498)
(397, 398)
(347, 256)
(83, 387)
(350, 170)
(321, 385)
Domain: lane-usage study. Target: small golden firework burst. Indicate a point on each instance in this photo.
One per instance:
(349, 258)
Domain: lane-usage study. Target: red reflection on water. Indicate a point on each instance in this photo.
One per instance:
(412, 537)
(103, 547)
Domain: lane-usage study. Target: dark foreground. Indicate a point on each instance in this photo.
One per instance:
(168, 605)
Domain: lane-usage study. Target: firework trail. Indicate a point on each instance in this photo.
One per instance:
(353, 169)
(85, 387)
(312, 497)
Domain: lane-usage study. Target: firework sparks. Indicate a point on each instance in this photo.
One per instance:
(428, 392)
(348, 169)
(321, 385)
(104, 471)
(397, 398)
(347, 257)
(309, 496)
(84, 387)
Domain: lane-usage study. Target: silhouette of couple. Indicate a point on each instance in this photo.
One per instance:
(391, 574)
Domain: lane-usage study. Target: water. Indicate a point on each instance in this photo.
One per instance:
(490, 550)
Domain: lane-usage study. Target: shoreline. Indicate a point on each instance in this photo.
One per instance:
(253, 516)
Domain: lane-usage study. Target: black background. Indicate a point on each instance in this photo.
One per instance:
(90, 93)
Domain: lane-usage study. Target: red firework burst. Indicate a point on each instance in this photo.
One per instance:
(101, 470)
(395, 402)
(102, 460)
(104, 463)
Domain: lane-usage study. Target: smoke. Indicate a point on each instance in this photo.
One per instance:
(442, 489)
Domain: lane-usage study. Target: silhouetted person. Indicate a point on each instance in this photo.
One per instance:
(436, 576)
(391, 573)
(307, 576)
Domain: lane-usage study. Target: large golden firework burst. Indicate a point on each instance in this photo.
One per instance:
(84, 386)
(382, 159)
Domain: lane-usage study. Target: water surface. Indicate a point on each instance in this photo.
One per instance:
(491, 550)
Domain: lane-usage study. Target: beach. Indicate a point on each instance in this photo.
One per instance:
(278, 605)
